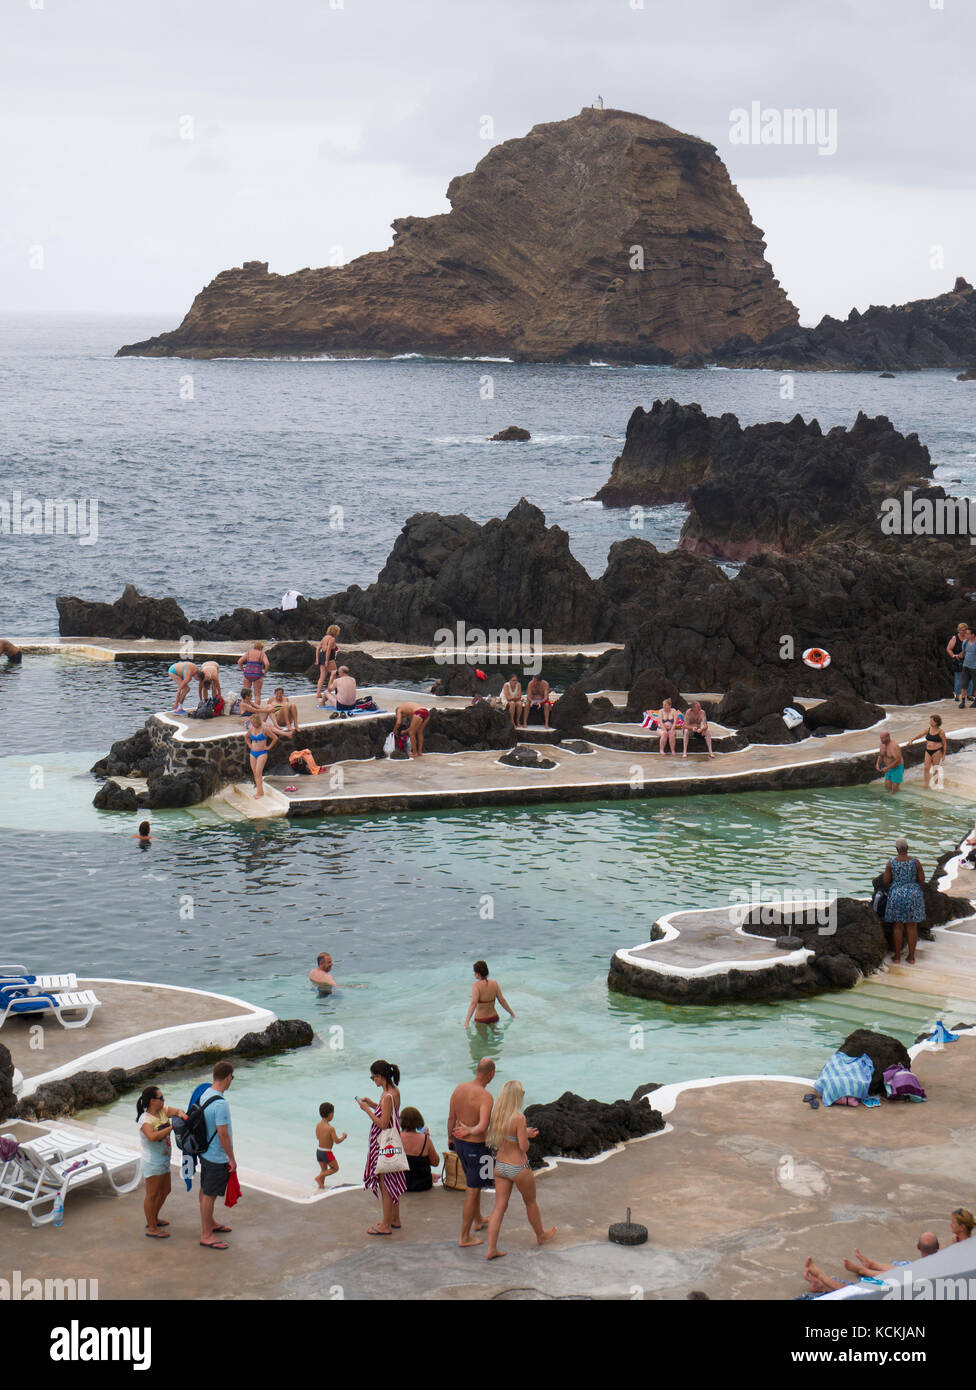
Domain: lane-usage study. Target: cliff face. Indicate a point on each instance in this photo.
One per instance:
(937, 332)
(533, 262)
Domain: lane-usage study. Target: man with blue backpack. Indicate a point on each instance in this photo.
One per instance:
(206, 1135)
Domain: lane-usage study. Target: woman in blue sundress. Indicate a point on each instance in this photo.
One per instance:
(903, 877)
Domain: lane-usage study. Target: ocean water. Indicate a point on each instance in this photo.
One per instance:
(225, 500)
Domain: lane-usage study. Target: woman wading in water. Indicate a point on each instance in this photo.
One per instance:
(508, 1138)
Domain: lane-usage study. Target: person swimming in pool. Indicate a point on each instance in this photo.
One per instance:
(414, 718)
(181, 673)
(13, 654)
(322, 977)
(260, 741)
(485, 994)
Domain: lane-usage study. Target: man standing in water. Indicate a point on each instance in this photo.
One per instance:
(891, 763)
(467, 1125)
(321, 976)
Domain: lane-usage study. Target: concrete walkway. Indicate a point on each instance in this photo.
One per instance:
(746, 1184)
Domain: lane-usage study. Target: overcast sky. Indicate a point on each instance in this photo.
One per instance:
(315, 123)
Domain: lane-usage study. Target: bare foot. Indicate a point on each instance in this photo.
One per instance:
(481, 1225)
(895, 960)
(496, 1254)
(853, 1267)
(471, 1240)
(257, 796)
(546, 1235)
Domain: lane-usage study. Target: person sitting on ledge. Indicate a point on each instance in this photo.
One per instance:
(696, 722)
(536, 697)
(862, 1266)
(342, 689)
(512, 698)
(667, 722)
(891, 763)
(13, 654)
(414, 719)
(321, 976)
(281, 714)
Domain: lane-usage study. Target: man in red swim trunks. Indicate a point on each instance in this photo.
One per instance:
(414, 719)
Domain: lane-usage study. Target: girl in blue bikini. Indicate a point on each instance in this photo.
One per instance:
(260, 741)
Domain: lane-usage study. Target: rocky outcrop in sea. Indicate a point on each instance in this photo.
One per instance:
(606, 235)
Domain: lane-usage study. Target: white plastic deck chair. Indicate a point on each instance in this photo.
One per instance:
(31, 1181)
(40, 1005)
(36, 984)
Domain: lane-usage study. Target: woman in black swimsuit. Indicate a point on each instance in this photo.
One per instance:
(935, 747)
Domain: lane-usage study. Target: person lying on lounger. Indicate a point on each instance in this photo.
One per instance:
(863, 1266)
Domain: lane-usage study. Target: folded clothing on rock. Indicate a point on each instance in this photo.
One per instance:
(903, 1085)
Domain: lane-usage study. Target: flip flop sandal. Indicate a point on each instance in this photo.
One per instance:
(223, 1230)
(158, 1235)
(291, 789)
(372, 1231)
(214, 1244)
(811, 1100)
(161, 1223)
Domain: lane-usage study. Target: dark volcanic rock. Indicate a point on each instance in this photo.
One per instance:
(479, 727)
(843, 712)
(748, 704)
(968, 375)
(883, 1050)
(649, 691)
(728, 631)
(571, 711)
(520, 756)
(7, 1098)
(277, 1037)
(112, 797)
(128, 757)
(461, 679)
(843, 951)
(778, 486)
(132, 615)
(938, 332)
(772, 728)
(514, 433)
(572, 1127)
(291, 657)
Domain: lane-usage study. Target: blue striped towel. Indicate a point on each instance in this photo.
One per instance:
(846, 1076)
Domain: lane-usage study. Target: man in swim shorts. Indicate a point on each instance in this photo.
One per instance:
(13, 654)
(467, 1127)
(891, 763)
(342, 686)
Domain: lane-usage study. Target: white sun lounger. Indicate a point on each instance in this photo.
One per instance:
(40, 1005)
(37, 984)
(32, 1179)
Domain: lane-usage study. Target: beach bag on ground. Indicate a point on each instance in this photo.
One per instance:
(391, 1157)
(389, 744)
(191, 1134)
(452, 1174)
(880, 903)
(902, 1084)
(401, 741)
(219, 706)
(792, 717)
(204, 711)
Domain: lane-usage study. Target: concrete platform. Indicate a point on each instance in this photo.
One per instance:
(743, 1186)
(478, 778)
(137, 1022)
(155, 649)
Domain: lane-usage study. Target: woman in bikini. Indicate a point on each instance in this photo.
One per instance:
(254, 666)
(260, 741)
(208, 682)
(181, 674)
(485, 994)
(667, 722)
(508, 1137)
(326, 658)
(697, 723)
(935, 745)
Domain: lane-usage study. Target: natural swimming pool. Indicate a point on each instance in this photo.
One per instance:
(406, 903)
